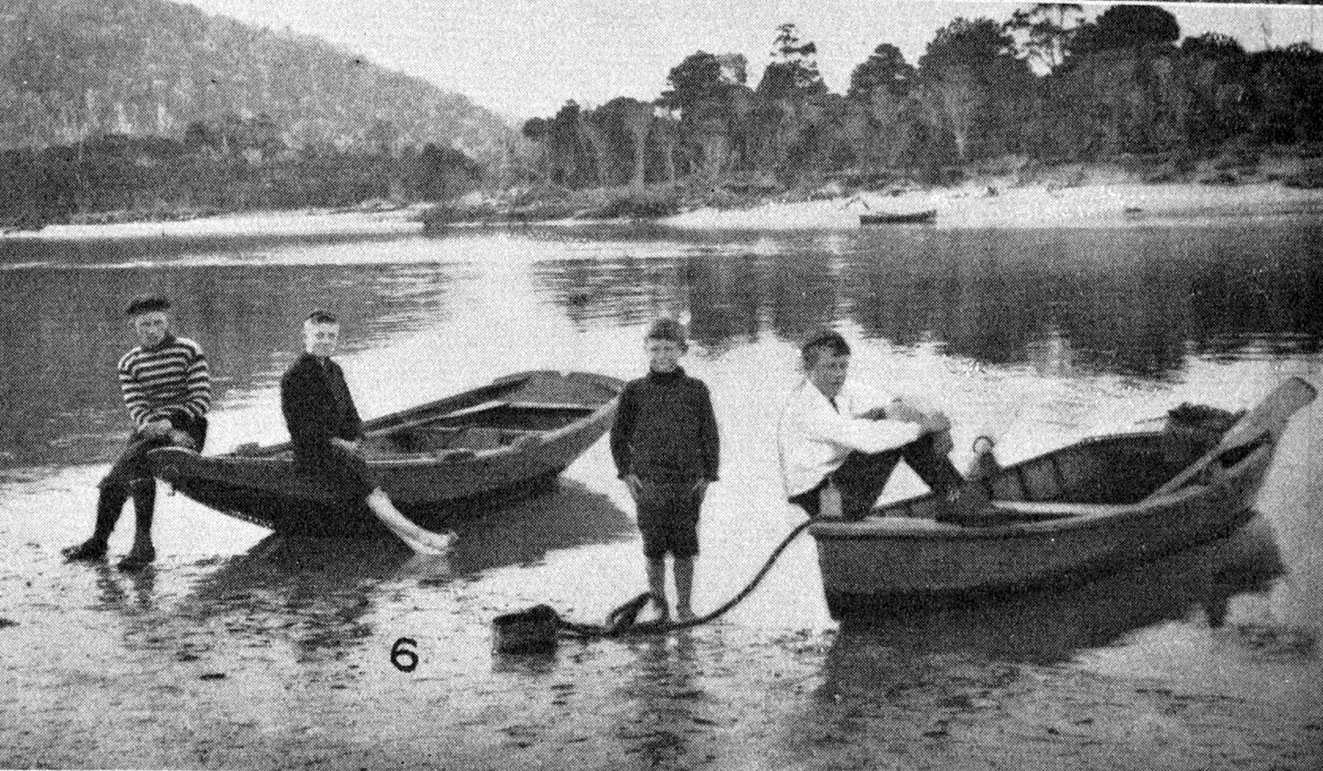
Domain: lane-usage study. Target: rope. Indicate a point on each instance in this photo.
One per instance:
(622, 621)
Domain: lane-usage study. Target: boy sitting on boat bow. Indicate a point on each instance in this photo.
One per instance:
(840, 441)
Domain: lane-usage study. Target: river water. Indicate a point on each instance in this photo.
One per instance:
(1036, 337)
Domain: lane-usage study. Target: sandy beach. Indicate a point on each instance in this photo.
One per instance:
(1097, 205)
(290, 224)
(1103, 204)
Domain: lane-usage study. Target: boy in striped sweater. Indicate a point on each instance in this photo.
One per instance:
(167, 390)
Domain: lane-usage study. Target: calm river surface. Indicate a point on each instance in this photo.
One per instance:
(1038, 337)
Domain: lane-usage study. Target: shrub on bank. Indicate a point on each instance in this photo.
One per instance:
(637, 204)
(1309, 177)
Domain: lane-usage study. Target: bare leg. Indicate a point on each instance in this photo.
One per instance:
(420, 540)
(657, 585)
(684, 587)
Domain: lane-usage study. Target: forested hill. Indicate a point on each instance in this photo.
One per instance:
(73, 69)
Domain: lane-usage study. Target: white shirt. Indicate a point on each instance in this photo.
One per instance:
(815, 439)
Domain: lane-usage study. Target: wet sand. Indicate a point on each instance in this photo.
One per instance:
(279, 657)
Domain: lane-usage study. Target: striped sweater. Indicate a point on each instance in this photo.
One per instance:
(169, 378)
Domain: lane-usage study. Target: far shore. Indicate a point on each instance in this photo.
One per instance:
(969, 206)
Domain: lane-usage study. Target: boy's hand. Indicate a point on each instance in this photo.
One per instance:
(180, 439)
(901, 411)
(344, 444)
(635, 486)
(935, 423)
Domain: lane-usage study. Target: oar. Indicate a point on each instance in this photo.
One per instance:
(1268, 417)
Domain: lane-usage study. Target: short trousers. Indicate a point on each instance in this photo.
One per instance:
(668, 518)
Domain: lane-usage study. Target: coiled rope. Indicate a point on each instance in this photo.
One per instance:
(623, 620)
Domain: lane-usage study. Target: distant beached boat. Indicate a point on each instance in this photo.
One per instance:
(910, 218)
(1098, 504)
(508, 437)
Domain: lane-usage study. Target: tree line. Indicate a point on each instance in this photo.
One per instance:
(1046, 86)
(231, 164)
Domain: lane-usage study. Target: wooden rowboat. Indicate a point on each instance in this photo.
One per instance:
(1058, 518)
(509, 437)
(909, 218)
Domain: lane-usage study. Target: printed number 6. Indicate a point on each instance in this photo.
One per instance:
(402, 655)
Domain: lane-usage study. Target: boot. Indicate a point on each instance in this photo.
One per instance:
(109, 504)
(966, 501)
(144, 507)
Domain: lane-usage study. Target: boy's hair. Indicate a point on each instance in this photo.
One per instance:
(668, 329)
(822, 340)
(320, 316)
(147, 303)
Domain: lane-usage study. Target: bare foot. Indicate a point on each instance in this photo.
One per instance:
(427, 542)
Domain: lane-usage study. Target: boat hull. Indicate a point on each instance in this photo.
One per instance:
(903, 560)
(431, 488)
(912, 218)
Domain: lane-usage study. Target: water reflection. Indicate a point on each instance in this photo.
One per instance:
(68, 325)
(319, 590)
(1126, 301)
(132, 594)
(525, 531)
(1053, 626)
(668, 706)
(1129, 301)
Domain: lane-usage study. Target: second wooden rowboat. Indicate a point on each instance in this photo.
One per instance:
(1093, 506)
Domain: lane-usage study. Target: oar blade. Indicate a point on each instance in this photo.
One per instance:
(1270, 415)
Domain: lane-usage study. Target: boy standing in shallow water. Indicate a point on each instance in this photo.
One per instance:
(665, 446)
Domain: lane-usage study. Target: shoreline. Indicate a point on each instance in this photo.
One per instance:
(981, 207)
(972, 206)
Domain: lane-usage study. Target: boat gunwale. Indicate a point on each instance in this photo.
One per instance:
(268, 459)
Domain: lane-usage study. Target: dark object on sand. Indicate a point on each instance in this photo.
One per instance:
(512, 436)
(528, 631)
(910, 218)
(1058, 518)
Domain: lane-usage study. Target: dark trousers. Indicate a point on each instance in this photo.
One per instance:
(347, 472)
(862, 477)
(131, 476)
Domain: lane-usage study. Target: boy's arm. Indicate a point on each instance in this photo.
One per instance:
(197, 400)
(353, 423)
(621, 430)
(303, 415)
(710, 438)
(135, 397)
(862, 434)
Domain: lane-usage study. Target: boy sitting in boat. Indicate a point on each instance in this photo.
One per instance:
(325, 428)
(665, 446)
(840, 441)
